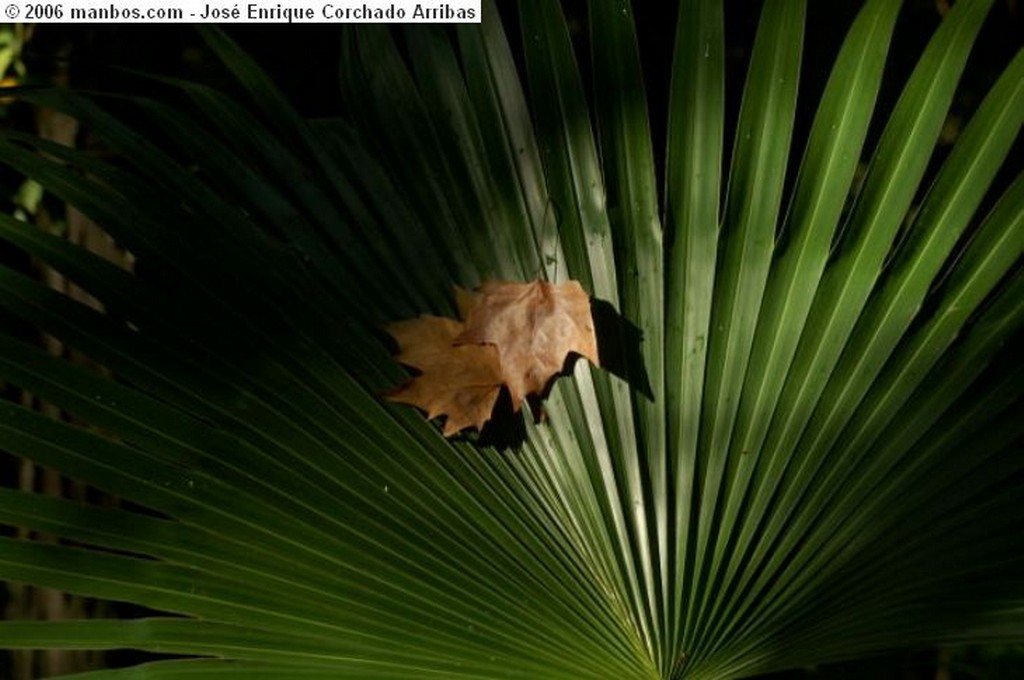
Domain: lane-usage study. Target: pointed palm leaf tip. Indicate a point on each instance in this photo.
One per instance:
(515, 334)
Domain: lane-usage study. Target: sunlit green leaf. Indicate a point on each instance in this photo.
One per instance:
(802, 444)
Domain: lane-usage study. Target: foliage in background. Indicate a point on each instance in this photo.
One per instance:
(30, 205)
(814, 455)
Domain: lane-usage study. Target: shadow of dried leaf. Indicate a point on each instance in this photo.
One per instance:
(618, 347)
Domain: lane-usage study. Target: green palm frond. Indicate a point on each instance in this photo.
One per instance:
(813, 453)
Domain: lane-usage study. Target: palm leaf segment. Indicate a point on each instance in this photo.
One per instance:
(820, 464)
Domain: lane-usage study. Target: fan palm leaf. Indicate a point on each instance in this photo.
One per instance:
(812, 453)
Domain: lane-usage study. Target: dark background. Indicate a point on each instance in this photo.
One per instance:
(303, 61)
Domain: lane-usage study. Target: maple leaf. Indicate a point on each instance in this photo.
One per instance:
(514, 334)
(534, 326)
(460, 382)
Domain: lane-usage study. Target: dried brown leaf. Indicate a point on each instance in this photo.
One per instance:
(460, 382)
(535, 326)
(515, 334)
